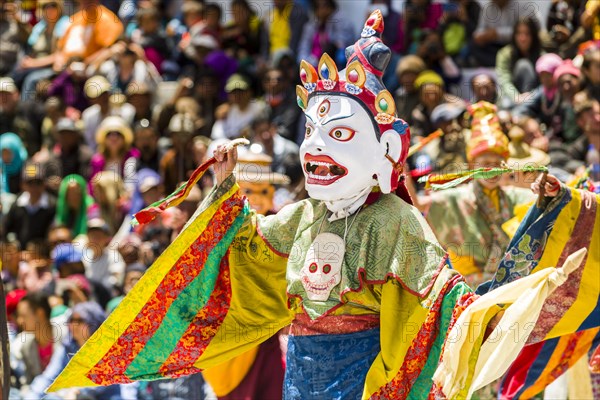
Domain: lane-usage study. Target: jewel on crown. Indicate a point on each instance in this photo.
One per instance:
(327, 78)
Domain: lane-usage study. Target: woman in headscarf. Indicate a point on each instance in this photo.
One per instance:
(115, 153)
(72, 204)
(110, 196)
(13, 158)
(85, 319)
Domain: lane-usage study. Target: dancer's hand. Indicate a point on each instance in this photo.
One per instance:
(226, 160)
(552, 186)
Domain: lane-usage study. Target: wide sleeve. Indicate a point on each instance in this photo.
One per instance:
(412, 335)
(217, 291)
(548, 285)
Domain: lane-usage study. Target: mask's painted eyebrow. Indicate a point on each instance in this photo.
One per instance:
(311, 120)
(337, 118)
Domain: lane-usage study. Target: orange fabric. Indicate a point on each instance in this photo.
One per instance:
(91, 29)
(225, 377)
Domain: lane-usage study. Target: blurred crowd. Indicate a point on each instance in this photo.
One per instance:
(107, 107)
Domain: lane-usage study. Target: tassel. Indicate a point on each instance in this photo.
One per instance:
(451, 180)
(150, 213)
(425, 141)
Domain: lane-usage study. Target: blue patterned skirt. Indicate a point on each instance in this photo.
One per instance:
(329, 366)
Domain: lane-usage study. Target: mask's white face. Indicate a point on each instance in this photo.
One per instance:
(340, 154)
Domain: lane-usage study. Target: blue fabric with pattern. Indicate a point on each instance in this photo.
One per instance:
(527, 245)
(329, 366)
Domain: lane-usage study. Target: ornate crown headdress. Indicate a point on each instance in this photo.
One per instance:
(367, 60)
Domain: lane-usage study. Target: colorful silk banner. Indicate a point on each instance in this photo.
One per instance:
(569, 323)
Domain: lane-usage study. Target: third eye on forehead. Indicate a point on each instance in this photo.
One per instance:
(324, 109)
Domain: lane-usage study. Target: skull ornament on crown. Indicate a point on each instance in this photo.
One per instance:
(353, 140)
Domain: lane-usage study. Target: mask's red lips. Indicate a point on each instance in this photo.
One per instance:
(322, 170)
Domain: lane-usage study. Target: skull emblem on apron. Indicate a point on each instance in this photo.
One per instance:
(322, 270)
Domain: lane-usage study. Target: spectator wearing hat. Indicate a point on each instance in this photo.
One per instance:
(12, 298)
(431, 94)
(72, 204)
(139, 95)
(12, 113)
(69, 85)
(68, 260)
(104, 266)
(280, 100)
(567, 78)
(178, 162)
(483, 88)
(115, 152)
(544, 104)
(33, 212)
(449, 151)
(407, 96)
(515, 63)
(41, 45)
(70, 155)
(148, 189)
(234, 117)
(33, 347)
(85, 319)
(97, 89)
(146, 142)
